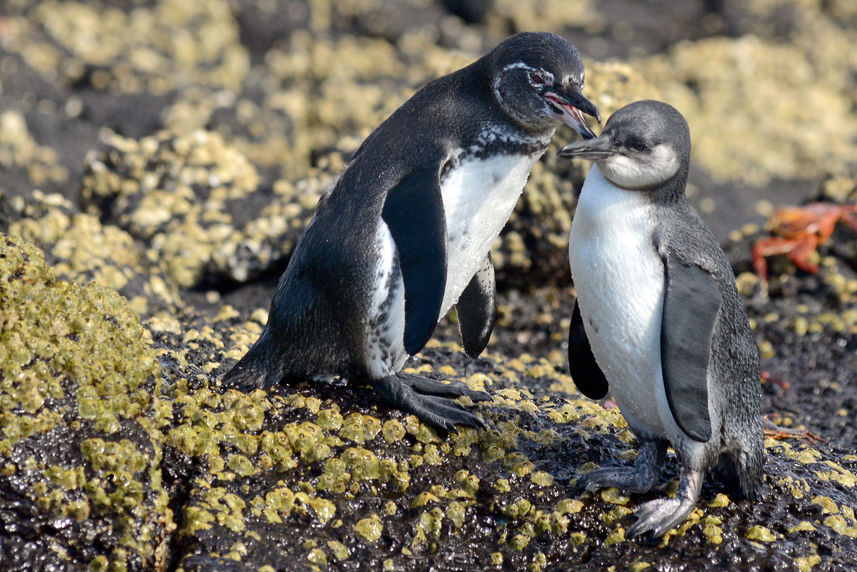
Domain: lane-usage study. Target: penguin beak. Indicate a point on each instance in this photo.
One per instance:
(570, 106)
(592, 149)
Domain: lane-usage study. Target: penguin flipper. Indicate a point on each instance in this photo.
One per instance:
(585, 372)
(691, 303)
(476, 309)
(413, 211)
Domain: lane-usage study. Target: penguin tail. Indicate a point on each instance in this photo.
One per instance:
(243, 377)
(750, 473)
(256, 369)
(744, 466)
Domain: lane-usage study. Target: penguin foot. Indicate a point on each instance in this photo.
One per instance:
(626, 479)
(426, 399)
(660, 515)
(428, 386)
(243, 378)
(637, 479)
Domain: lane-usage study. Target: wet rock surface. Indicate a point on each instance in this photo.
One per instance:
(158, 161)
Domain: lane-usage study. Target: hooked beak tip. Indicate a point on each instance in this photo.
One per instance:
(586, 132)
(572, 107)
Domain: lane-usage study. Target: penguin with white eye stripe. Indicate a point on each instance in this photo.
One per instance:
(405, 232)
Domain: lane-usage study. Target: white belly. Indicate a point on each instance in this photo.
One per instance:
(478, 198)
(619, 280)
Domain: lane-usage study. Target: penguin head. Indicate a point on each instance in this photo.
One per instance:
(643, 146)
(537, 79)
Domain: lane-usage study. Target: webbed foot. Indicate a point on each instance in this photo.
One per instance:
(637, 479)
(660, 515)
(431, 400)
(428, 386)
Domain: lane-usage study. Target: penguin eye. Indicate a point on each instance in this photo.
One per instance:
(537, 78)
(637, 145)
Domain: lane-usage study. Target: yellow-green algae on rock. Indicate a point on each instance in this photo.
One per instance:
(344, 478)
(80, 414)
(87, 251)
(174, 192)
(18, 150)
(152, 48)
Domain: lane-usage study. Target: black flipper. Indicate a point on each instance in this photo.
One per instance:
(691, 303)
(476, 309)
(585, 373)
(414, 214)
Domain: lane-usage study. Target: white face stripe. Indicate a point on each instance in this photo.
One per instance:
(519, 65)
(640, 171)
(495, 85)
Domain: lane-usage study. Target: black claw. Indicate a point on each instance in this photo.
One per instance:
(450, 410)
(479, 396)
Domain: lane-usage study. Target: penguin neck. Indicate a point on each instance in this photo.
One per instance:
(671, 190)
(503, 139)
(600, 194)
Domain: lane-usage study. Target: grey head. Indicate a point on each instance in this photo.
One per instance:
(537, 78)
(644, 146)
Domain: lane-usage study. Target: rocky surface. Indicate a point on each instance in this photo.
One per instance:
(158, 161)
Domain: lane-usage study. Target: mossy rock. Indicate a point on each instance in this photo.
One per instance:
(80, 423)
(193, 201)
(324, 473)
(21, 152)
(84, 250)
(154, 48)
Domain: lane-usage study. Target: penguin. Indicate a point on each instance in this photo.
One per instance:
(658, 319)
(405, 231)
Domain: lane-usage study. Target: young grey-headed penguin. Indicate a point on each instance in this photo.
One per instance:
(658, 320)
(405, 232)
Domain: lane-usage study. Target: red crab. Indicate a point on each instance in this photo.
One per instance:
(799, 231)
